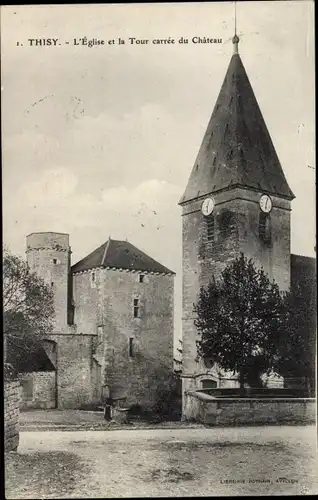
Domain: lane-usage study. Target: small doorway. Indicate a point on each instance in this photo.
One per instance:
(27, 388)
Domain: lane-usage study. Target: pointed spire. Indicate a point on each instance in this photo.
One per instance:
(236, 149)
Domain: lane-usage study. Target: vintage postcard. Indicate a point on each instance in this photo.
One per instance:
(159, 259)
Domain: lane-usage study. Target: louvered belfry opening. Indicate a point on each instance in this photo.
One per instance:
(265, 232)
(227, 224)
(210, 225)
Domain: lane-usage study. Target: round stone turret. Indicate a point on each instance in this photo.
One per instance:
(49, 256)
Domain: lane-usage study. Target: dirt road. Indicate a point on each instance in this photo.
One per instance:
(164, 462)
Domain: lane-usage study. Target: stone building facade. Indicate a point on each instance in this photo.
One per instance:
(113, 325)
(237, 200)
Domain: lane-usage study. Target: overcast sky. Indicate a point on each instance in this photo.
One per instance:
(95, 140)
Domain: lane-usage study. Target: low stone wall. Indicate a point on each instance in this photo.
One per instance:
(248, 411)
(74, 370)
(37, 390)
(11, 415)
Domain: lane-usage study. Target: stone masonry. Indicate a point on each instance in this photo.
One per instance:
(230, 411)
(42, 393)
(235, 168)
(98, 344)
(75, 383)
(11, 415)
(203, 259)
(49, 255)
(108, 309)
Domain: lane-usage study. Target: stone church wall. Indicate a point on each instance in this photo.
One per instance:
(191, 285)
(236, 229)
(275, 256)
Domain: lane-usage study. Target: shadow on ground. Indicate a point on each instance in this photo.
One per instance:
(43, 475)
(183, 445)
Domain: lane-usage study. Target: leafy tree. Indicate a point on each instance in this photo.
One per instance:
(297, 345)
(240, 318)
(28, 309)
(169, 399)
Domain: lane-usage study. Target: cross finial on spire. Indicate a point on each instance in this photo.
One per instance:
(235, 38)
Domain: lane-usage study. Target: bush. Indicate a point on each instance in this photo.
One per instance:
(169, 400)
(9, 372)
(143, 413)
(135, 410)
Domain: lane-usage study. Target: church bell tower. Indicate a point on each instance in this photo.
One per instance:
(237, 200)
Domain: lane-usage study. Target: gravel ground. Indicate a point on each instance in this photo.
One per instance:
(60, 417)
(278, 460)
(68, 420)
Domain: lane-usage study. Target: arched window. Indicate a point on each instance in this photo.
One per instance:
(265, 232)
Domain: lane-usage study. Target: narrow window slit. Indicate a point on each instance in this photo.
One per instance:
(136, 308)
(131, 347)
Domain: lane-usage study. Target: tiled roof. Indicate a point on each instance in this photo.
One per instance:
(120, 255)
(236, 149)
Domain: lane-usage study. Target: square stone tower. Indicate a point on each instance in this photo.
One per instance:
(237, 200)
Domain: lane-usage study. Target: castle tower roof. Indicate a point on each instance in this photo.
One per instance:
(118, 254)
(237, 149)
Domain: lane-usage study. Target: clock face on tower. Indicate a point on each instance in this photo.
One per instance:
(208, 206)
(265, 203)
